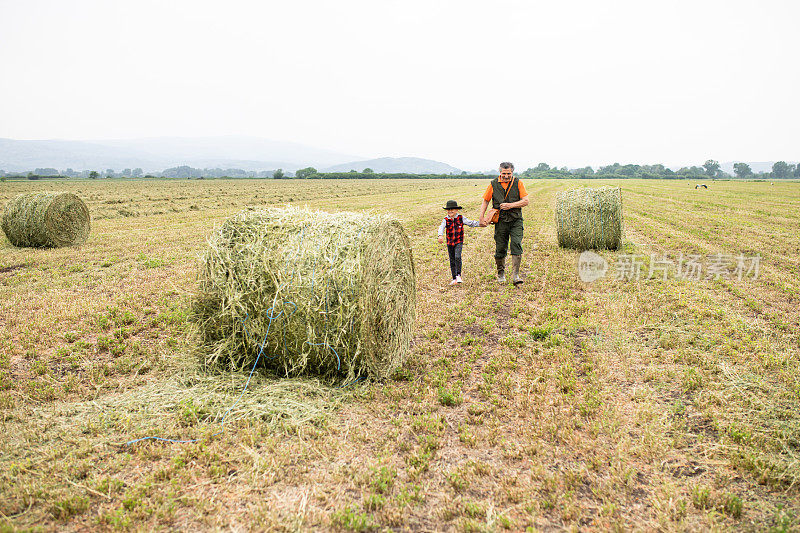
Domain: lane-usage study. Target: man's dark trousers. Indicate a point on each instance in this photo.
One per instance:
(505, 231)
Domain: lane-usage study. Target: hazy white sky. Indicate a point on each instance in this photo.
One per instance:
(469, 83)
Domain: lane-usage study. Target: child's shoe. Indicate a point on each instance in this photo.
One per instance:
(453, 282)
(458, 279)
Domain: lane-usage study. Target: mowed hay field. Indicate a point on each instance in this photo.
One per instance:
(620, 404)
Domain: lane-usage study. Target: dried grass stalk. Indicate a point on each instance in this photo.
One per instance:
(328, 294)
(46, 219)
(188, 405)
(589, 218)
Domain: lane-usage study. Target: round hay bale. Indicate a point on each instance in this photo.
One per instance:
(311, 292)
(46, 219)
(589, 219)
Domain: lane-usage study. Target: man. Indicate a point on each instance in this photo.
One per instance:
(509, 196)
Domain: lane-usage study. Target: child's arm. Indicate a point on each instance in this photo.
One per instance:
(442, 227)
(471, 223)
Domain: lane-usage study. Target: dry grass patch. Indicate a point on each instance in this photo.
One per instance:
(560, 405)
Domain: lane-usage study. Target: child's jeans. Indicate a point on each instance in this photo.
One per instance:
(454, 251)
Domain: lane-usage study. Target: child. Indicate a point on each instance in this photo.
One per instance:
(453, 227)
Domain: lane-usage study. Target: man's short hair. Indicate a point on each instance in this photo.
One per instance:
(506, 164)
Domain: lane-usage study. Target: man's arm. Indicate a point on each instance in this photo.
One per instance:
(522, 203)
(484, 205)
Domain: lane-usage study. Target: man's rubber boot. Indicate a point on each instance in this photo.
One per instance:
(501, 269)
(515, 262)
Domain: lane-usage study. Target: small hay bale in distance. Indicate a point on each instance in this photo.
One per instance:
(331, 294)
(46, 220)
(589, 219)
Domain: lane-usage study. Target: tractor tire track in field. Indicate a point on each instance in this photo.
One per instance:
(751, 236)
(668, 231)
(774, 291)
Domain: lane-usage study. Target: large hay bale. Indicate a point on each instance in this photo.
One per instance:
(46, 219)
(330, 294)
(589, 218)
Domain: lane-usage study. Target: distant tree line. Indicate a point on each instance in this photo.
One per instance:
(47, 172)
(710, 169)
(185, 171)
(390, 175)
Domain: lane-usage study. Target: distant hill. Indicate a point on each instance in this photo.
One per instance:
(411, 165)
(156, 154)
(16, 156)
